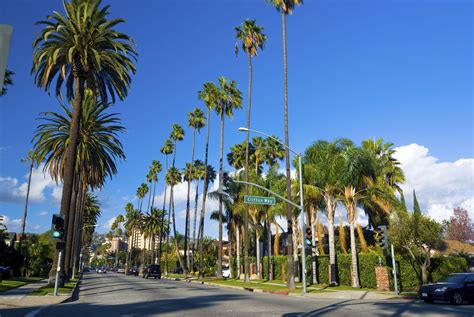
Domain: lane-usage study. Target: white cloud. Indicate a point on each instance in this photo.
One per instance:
(43, 213)
(12, 224)
(11, 191)
(439, 186)
(108, 225)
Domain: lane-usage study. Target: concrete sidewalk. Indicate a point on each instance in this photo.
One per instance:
(22, 291)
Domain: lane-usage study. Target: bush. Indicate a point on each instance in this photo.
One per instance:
(441, 267)
(344, 268)
(367, 264)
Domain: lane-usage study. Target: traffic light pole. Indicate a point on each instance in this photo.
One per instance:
(58, 269)
(394, 270)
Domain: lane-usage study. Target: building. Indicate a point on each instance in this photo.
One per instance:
(117, 243)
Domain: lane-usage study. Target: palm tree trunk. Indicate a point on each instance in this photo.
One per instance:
(246, 215)
(203, 207)
(342, 235)
(313, 244)
(194, 225)
(320, 233)
(174, 228)
(237, 231)
(221, 175)
(77, 226)
(23, 224)
(149, 197)
(290, 282)
(294, 231)
(168, 232)
(355, 268)
(188, 198)
(330, 204)
(257, 248)
(269, 248)
(163, 215)
(70, 164)
(276, 243)
(70, 225)
(230, 237)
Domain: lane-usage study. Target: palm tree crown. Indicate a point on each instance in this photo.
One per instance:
(251, 36)
(83, 44)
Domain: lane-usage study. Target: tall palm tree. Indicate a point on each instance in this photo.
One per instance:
(197, 121)
(286, 7)
(80, 49)
(252, 38)
(173, 178)
(209, 95)
(166, 149)
(7, 81)
(199, 174)
(98, 150)
(228, 99)
(152, 178)
(142, 190)
(32, 159)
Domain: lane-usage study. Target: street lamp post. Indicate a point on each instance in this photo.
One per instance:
(301, 207)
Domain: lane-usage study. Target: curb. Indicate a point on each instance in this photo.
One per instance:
(74, 292)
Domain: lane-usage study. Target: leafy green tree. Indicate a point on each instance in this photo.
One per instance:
(77, 50)
(252, 38)
(286, 7)
(419, 245)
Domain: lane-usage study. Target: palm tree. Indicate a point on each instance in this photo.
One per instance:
(228, 99)
(132, 225)
(152, 225)
(196, 121)
(199, 174)
(152, 178)
(81, 50)
(116, 225)
(7, 81)
(286, 7)
(173, 178)
(98, 150)
(252, 38)
(209, 94)
(236, 156)
(32, 159)
(324, 161)
(166, 149)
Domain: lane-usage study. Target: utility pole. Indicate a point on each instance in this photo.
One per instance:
(394, 264)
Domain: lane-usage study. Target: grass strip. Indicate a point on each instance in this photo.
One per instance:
(45, 290)
(15, 282)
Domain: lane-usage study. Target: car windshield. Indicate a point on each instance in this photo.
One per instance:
(454, 279)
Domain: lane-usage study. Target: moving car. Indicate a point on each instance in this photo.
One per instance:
(101, 270)
(132, 271)
(153, 270)
(456, 288)
(120, 270)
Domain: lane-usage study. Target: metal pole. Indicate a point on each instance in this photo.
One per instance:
(394, 270)
(58, 269)
(303, 247)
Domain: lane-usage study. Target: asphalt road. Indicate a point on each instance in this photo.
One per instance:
(127, 296)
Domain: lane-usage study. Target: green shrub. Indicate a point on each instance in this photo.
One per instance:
(442, 266)
(344, 268)
(408, 274)
(322, 268)
(367, 264)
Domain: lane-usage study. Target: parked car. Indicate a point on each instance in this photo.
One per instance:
(226, 271)
(132, 271)
(6, 271)
(153, 270)
(101, 270)
(85, 269)
(120, 270)
(456, 288)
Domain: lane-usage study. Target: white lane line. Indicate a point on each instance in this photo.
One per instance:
(35, 312)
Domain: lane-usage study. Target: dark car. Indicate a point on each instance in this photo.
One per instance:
(178, 270)
(132, 271)
(153, 270)
(456, 288)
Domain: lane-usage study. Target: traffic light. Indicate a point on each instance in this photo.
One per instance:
(308, 236)
(57, 227)
(383, 239)
(226, 181)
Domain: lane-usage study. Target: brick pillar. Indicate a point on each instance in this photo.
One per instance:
(381, 275)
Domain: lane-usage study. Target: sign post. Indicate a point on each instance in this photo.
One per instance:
(394, 264)
(57, 274)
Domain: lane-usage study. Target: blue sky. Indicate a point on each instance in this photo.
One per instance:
(398, 70)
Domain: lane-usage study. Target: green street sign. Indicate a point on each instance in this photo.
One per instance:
(259, 200)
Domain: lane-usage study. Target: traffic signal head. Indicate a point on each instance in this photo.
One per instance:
(57, 227)
(383, 238)
(308, 236)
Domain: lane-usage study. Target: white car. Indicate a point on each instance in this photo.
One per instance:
(226, 272)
